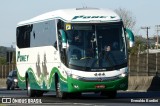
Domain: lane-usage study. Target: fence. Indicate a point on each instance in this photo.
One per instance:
(144, 64)
(5, 69)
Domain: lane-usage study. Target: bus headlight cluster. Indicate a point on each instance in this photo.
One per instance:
(68, 73)
(75, 76)
(123, 75)
(72, 75)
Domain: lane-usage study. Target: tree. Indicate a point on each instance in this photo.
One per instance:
(2, 60)
(129, 20)
(140, 46)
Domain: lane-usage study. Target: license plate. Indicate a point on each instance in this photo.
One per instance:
(100, 86)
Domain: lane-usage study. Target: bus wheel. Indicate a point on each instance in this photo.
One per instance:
(8, 87)
(75, 95)
(30, 92)
(39, 93)
(109, 94)
(59, 93)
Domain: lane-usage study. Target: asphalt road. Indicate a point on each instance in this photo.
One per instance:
(87, 99)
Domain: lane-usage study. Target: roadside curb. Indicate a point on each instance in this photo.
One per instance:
(2, 87)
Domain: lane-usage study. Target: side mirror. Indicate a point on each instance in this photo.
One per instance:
(64, 40)
(130, 36)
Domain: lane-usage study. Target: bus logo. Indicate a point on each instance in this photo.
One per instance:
(99, 74)
(22, 58)
(88, 17)
(6, 100)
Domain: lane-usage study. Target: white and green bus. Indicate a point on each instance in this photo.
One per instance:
(71, 51)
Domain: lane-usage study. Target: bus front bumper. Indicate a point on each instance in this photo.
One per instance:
(75, 85)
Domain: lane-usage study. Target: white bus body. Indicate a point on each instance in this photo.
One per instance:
(44, 53)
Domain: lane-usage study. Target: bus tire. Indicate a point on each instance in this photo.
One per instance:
(12, 88)
(109, 94)
(30, 92)
(75, 95)
(59, 93)
(39, 93)
(8, 87)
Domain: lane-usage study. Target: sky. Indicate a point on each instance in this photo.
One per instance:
(146, 12)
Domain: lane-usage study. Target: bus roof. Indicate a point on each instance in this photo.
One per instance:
(76, 15)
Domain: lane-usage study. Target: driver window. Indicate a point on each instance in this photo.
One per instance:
(60, 25)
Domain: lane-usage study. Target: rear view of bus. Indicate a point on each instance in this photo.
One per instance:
(88, 53)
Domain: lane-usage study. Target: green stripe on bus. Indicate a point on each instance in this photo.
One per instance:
(41, 83)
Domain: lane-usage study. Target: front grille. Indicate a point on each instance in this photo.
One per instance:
(99, 79)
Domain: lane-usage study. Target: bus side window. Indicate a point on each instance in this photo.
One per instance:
(23, 36)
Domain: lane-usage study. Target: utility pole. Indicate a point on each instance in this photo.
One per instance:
(147, 28)
(157, 30)
(157, 44)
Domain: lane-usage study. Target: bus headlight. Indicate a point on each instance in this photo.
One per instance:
(75, 76)
(69, 74)
(123, 75)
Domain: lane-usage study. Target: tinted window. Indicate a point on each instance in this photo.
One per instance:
(23, 36)
(43, 34)
(38, 34)
(10, 73)
(14, 74)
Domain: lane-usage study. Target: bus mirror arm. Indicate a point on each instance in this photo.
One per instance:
(130, 36)
(64, 40)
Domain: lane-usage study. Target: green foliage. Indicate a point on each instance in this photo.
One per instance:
(140, 46)
(2, 60)
(3, 54)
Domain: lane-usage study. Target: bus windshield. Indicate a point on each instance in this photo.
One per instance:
(96, 46)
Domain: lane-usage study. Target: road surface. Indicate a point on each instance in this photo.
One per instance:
(87, 99)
